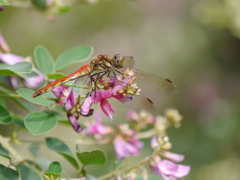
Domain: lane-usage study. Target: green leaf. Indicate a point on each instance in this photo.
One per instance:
(8, 173)
(40, 123)
(95, 157)
(27, 94)
(52, 176)
(43, 60)
(61, 148)
(5, 117)
(27, 173)
(56, 76)
(40, 4)
(2, 102)
(24, 105)
(41, 161)
(2, 2)
(17, 121)
(55, 167)
(59, 108)
(3, 152)
(19, 69)
(73, 55)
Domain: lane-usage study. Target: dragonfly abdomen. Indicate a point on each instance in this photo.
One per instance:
(84, 70)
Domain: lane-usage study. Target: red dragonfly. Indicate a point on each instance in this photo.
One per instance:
(151, 85)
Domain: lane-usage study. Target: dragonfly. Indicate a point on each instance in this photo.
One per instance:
(151, 86)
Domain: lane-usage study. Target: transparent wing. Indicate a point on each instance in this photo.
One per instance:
(129, 61)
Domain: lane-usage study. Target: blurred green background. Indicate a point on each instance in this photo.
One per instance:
(193, 43)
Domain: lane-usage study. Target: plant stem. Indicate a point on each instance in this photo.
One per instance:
(145, 160)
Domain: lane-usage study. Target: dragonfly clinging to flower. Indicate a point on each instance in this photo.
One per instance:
(105, 70)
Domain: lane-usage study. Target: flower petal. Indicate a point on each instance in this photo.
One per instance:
(14, 82)
(85, 108)
(73, 120)
(173, 156)
(36, 81)
(70, 101)
(10, 59)
(107, 108)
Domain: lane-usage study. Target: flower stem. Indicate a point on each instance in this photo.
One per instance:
(145, 160)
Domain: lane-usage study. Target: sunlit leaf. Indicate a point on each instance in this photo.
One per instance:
(52, 176)
(8, 173)
(95, 157)
(27, 173)
(73, 55)
(61, 148)
(3, 152)
(5, 117)
(2, 2)
(40, 123)
(55, 167)
(56, 76)
(27, 94)
(43, 60)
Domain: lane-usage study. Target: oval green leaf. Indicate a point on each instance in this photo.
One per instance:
(40, 123)
(5, 117)
(2, 2)
(56, 76)
(27, 173)
(27, 94)
(4, 152)
(73, 55)
(61, 148)
(43, 60)
(8, 173)
(55, 167)
(95, 157)
(19, 69)
(17, 121)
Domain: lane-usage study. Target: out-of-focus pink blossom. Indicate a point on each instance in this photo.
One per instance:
(154, 143)
(97, 128)
(126, 143)
(12, 59)
(1, 8)
(167, 169)
(3, 44)
(172, 156)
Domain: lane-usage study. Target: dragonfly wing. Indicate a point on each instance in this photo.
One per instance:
(153, 85)
(129, 61)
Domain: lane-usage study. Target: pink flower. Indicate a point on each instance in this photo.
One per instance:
(97, 127)
(126, 143)
(72, 111)
(3, 44)
(61, 92)
(32, 82)
(167, 169)
(1, 8)
(172, 156)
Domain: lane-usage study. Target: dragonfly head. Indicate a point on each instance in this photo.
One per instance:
(119, 61)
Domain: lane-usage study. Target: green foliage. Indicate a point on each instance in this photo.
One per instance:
(8, 173)
(5, 117)
(77, 54)
(22, 69)
(40, 4)
(56, 76)
(40, 123)
(3, 152)
(25, 105)
(61, 148)
(2, 2)
(55, 167)
(43, 60)
(27, 173)
(27, 94)
(95, 157)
